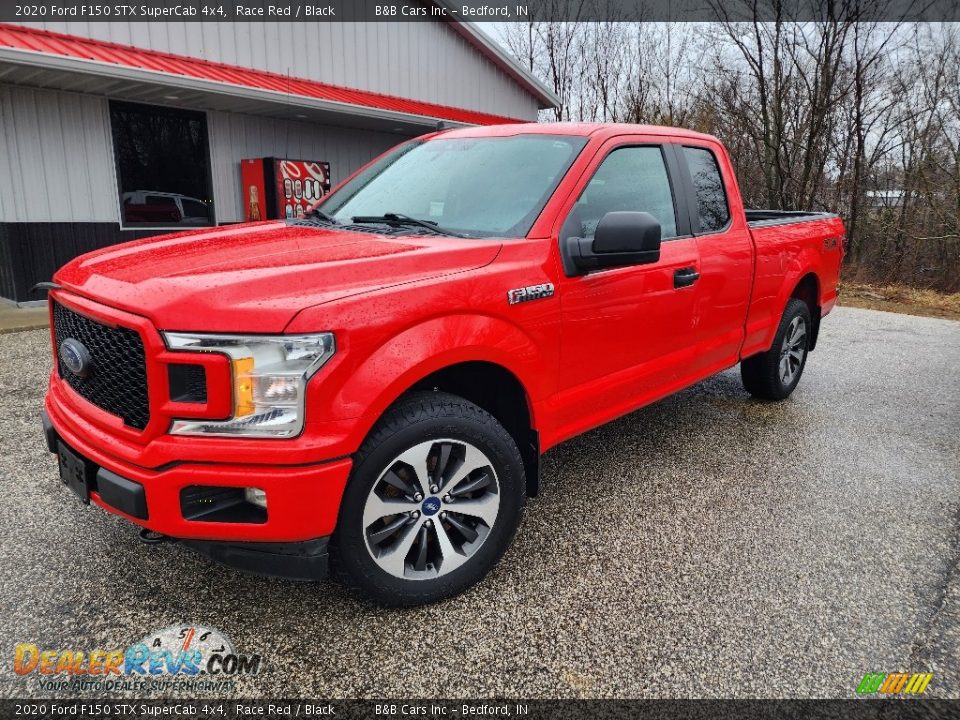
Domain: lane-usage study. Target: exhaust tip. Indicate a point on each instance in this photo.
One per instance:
(151, 537)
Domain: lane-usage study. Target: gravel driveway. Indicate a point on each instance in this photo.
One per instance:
(708, 545)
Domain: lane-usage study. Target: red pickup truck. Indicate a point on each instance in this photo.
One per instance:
(370, 388)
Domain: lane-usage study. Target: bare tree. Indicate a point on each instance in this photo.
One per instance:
(550, 49)
(835, 113)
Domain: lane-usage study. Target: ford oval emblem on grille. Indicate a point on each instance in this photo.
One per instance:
(76, 357)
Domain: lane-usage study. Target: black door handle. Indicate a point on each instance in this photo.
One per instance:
(685, 277)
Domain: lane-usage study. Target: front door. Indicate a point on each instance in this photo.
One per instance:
(626, 332)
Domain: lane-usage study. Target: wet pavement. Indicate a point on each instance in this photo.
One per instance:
(707, 546)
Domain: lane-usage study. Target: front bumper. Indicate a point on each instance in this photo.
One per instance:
(302, 502)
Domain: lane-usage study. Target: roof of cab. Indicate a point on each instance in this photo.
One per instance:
(577, 129)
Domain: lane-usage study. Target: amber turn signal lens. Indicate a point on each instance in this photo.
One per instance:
(243, 387)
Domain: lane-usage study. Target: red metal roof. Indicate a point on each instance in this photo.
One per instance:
(70, 46)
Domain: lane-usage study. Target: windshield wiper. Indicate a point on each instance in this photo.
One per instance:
(400, 219)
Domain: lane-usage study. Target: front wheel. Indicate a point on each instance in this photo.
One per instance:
(435, 496)
(773, 375)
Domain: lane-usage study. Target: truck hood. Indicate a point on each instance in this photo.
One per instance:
(255, 278)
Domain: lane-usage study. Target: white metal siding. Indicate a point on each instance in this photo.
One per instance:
(424, 61)
(234, 137)
(57, 164)
(56, 157)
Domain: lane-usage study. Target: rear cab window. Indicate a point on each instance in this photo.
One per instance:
(713, 210)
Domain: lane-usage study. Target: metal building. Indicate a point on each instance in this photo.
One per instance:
(113, 131)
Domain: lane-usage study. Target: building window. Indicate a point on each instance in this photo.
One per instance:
(163, 167)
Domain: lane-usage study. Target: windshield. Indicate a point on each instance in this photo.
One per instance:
(478, 187)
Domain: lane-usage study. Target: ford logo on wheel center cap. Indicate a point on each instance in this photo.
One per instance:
(76, 357)
(431, 505)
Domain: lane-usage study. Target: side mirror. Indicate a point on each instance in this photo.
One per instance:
(622, 238)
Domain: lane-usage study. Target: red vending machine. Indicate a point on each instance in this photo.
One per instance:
(275, 188)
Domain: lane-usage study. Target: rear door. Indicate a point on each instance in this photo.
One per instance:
(625, 330)
(726, 255)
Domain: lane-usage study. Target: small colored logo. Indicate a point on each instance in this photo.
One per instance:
(894, 683)
(75, 357)
(431, 505)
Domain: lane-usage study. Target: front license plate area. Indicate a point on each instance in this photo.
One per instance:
(75, 471)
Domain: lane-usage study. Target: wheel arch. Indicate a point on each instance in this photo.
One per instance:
(807, 290)
(497, 390)
(494, 365)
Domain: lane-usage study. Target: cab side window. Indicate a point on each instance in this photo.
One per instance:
(630, 178)
(708, 184)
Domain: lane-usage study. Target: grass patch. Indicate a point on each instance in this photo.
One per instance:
(901, 299)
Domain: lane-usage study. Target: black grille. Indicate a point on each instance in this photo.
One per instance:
(118, 379)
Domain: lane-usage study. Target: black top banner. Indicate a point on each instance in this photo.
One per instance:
(480, 11)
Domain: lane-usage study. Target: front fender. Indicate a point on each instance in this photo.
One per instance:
(396, 365)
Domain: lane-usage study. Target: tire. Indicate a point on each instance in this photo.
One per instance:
(773, 375)
(434, 545)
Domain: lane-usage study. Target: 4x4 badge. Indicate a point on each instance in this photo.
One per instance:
(531, 292)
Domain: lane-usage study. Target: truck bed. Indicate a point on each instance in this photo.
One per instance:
(783, 241)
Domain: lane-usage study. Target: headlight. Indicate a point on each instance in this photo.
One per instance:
(270, 374)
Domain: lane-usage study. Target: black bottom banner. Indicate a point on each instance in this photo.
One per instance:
(483, 709)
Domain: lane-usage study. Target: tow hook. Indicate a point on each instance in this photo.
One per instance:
(151, 537)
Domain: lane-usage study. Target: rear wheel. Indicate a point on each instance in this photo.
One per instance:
(434, 499)
(774, 374)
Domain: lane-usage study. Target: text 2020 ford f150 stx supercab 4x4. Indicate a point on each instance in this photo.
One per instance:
(370, 388)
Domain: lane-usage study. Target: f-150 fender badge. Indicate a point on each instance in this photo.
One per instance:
(531, 292)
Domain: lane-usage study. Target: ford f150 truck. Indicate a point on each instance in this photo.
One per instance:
(369, 389)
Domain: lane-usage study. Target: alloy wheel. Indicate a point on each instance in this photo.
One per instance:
(793, 350)
(432, 508)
